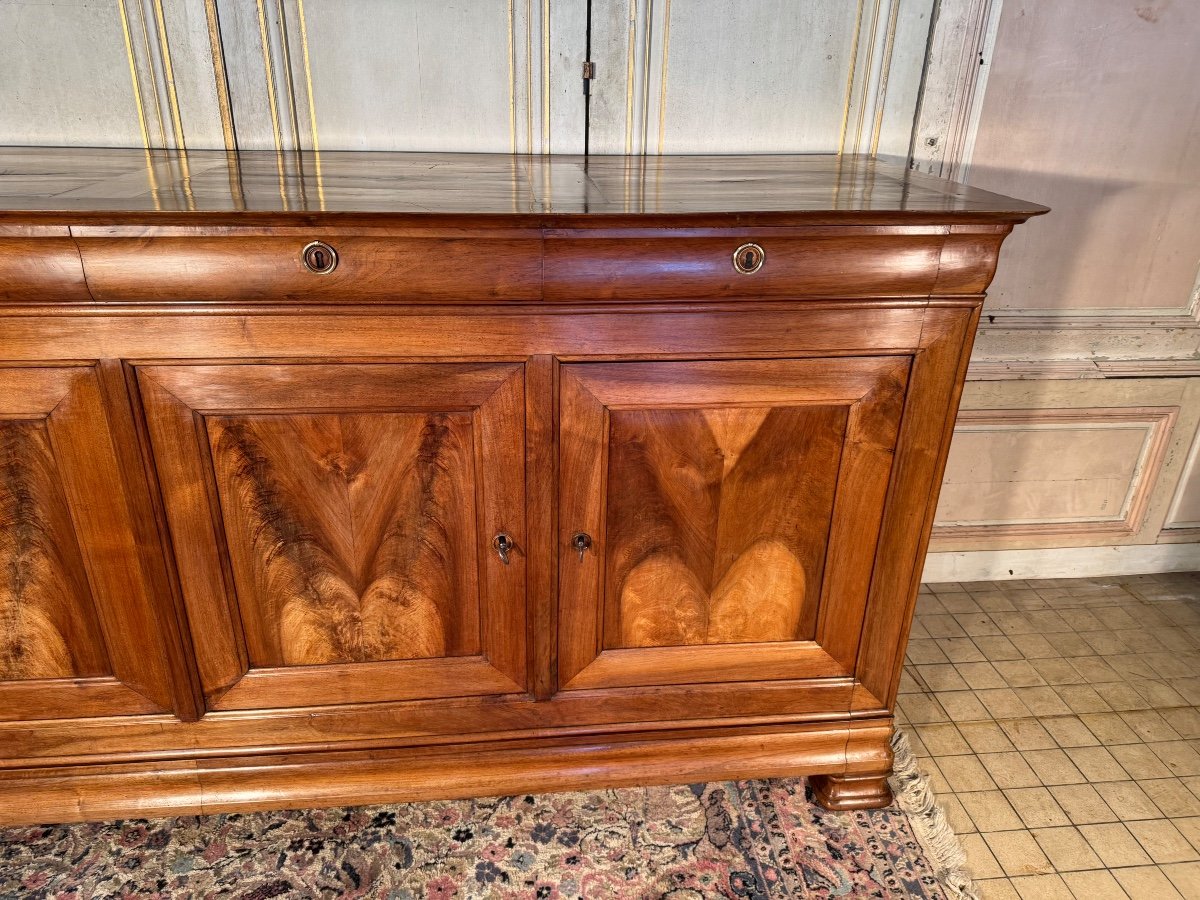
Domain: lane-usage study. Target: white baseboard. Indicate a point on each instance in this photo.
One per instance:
(1068, 562)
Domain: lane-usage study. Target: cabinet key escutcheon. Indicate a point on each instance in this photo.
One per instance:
(319, 258)
(504, 546)
(582, 543)
(749, 258)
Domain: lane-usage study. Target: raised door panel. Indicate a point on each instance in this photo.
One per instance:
(79, 632)
(732, 509)
(334, 527)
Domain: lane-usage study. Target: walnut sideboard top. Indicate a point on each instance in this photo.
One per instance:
(350, 478)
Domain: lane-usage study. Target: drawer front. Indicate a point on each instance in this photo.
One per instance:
(842, 264)
(272, 268)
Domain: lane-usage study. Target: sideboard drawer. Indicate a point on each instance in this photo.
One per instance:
(368, 268)
(580, 267)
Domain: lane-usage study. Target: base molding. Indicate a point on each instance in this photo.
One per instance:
(1066, 562)
(227, 784)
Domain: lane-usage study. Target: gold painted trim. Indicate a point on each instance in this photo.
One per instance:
(646, 83)
(512, 80)
(312, 106)
(662, 88)
(885, 72)
(529, 76)
(137, 100)
(850, 76)
(162, 125)
(269, 66)
(173, 101)
(633, 8)
(545, 76)
(866, 79)
(220, 75)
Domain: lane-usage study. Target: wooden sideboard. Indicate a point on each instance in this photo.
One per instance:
(369, 477)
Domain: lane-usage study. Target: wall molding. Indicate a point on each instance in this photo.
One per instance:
(1159, 423)
(1068, 562)
(956, 71)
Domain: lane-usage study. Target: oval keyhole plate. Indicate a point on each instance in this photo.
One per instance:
(749, 258)
(319, 258)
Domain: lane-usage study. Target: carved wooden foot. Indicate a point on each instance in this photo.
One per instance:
(851, 791)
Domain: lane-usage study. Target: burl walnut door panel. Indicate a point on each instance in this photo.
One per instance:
(333, 526)
(79, 634)
(733, 508)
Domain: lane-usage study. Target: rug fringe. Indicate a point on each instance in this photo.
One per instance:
(932, 830)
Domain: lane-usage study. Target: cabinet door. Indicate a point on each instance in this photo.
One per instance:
(334, 527)
(79, 630)
(733, 509)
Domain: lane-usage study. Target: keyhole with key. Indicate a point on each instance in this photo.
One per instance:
(582, 543)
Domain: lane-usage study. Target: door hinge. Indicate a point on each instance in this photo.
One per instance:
(589, 72)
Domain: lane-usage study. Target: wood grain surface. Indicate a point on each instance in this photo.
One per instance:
(351, 537)
(48, 625)
(717, 522)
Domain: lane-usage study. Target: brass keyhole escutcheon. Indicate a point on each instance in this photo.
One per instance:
(319, 258)
(749, 258)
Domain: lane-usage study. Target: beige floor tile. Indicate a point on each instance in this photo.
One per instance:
(1096, 764)
(1109, 727)
(1149, 725)
(1020, 672)
(1179, 756)
(1033, 646)
(1146, 883)
(1082, 698)
(1042, 887)
(1185, 877)
(981, 862)
(981, 675)
(937, 781)
(1190, 829)
(990, 811)
(960, 649)
(1121, 696)
(941, 626)
(1067, 850)
(942, 739)
(1140, 761)
(965, 773)
(986, 737)
(998, 649)
(1186, 722)
(1172, 796)
(1057, 671)
(942, 677)
(1069, 731)
(921, 652)
(1163, 841)
(1042, 701)
(1037, 807)
(996, 889)
(1068, 644)
(1083, 804)
(1028, 734)
(1159, 695)
(1003, 703)
(1010, 770)
(1128, 797)
(1053, 767)
(1095, 671)
(1095, 885)
(963, 706)
(1115, 845)
(1018, 853)
(956, 815)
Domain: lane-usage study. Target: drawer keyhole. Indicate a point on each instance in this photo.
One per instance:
(749, 258)
(319, 258)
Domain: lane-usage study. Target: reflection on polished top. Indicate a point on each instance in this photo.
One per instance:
(39, 184)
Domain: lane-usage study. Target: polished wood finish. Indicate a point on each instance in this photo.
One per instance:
(249, 514)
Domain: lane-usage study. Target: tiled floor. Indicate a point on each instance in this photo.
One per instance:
(1059, 721)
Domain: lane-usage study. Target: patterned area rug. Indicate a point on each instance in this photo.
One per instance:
(743, 839)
